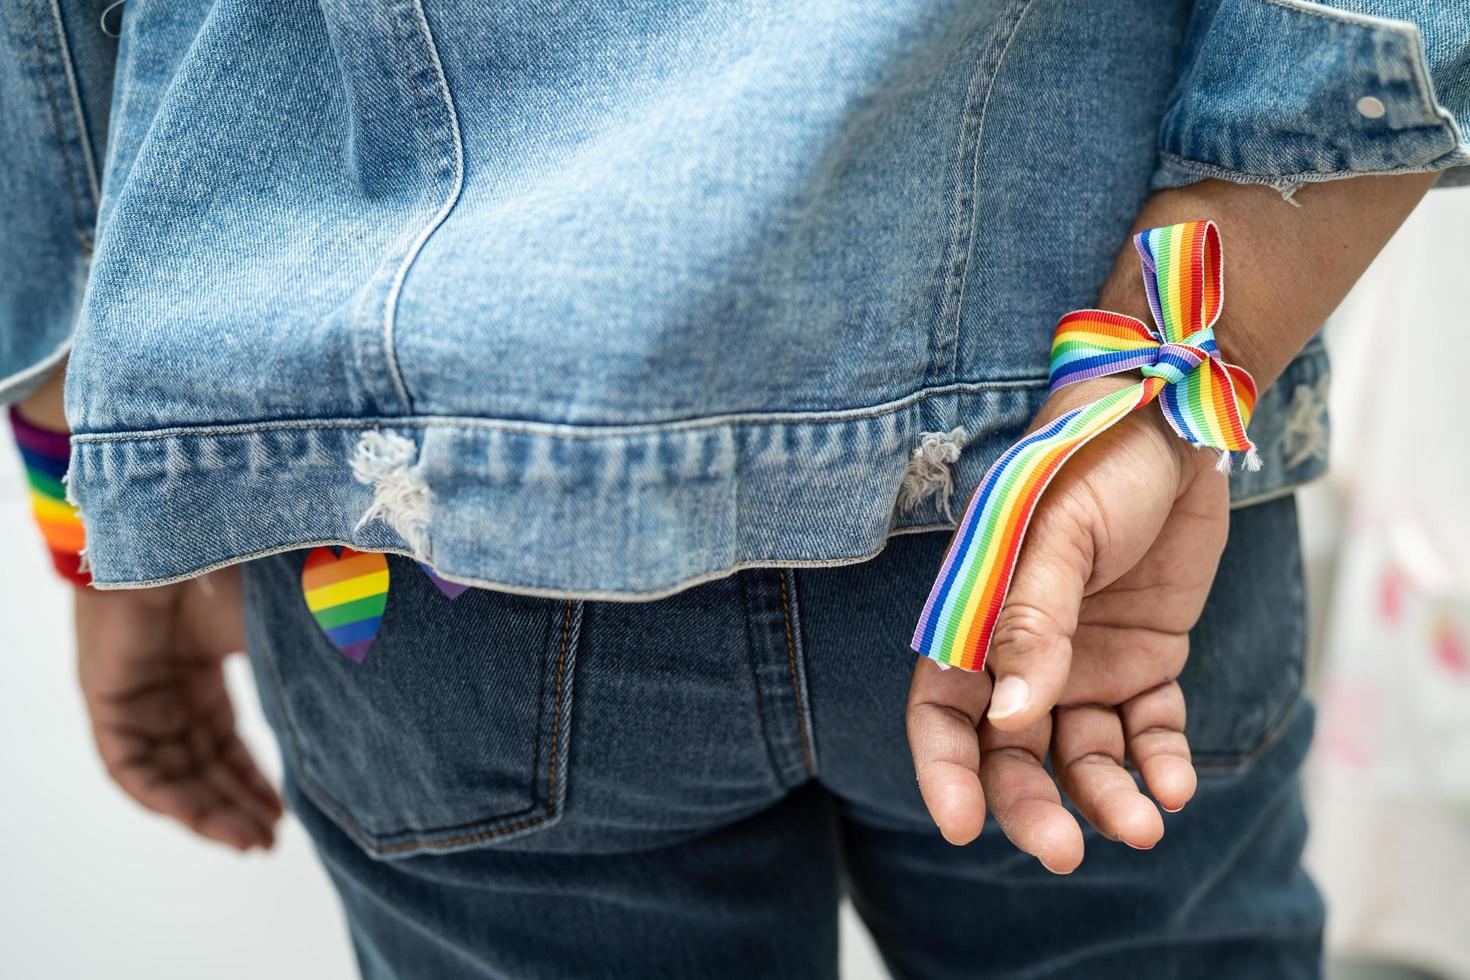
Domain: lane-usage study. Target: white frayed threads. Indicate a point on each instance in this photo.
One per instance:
(1287, 189)
(1251, 462)
(70, 492)
(929, 473)
(400, 496)
(1305, 435)
(84, 561)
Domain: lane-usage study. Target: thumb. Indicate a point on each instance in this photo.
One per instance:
(1031, 647)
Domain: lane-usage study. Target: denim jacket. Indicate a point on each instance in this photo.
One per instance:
(604, 299)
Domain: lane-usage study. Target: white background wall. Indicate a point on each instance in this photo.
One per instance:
(92, 885)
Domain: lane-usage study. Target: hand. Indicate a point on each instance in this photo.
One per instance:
(151, 664)
(1113, 573)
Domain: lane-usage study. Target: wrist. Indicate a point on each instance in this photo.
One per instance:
(1287, 265)
(1149, 421)
(44, 407)
(1125, 294)
(45, 453)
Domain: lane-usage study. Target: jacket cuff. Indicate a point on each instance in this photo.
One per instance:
(1287, 92)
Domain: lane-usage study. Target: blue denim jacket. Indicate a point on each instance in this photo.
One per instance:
(606, 299)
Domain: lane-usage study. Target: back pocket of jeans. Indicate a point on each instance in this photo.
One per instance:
(450, 733)
(1247, 653)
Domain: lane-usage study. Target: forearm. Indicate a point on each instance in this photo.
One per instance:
(1286, 268)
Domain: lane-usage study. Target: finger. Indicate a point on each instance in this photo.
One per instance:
(1153, 723)
(232, 772)
(164, 776)
(1087, 756)
(944, 710)
(137, 759)
(1111, 664)
(236, 797)
(203, 810)
(1024, 799)
(1031, 648)
(188, 800)
(215, 751)
(228, 826)
(231, 750)
(238, 758)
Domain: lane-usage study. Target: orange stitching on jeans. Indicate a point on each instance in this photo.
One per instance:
(413, 845)
(806, 749)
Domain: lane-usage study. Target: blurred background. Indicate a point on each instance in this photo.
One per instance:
(1387, 538)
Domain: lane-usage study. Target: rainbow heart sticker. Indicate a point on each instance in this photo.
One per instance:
(451, 590)
(346, 594)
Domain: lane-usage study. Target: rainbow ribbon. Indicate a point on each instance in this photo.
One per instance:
(1207, 402)
(45, 454)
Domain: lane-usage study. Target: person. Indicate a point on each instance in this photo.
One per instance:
(678, 333)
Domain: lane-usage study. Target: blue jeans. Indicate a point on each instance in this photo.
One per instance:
(517, 787)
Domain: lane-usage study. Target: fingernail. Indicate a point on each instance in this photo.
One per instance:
(1054, 870)
(1175, 810)
(1137, 848)
(1012, 694)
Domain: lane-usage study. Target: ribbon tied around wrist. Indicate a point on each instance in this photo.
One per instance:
(1206, 401)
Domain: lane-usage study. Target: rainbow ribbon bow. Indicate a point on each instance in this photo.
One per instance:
(1207, 402)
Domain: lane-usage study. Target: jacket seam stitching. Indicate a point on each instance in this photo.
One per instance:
(63, 135)
(1266, 496)
(957, 248)
(74, 92)
(576, 595)
(415, 248)
(567, 430)
(1336, 16)
(956, 295)
(1202, 169)
(401, 43)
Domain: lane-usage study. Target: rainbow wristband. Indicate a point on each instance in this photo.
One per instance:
(44, 454)
(1207, 402)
